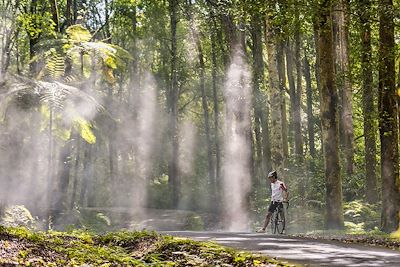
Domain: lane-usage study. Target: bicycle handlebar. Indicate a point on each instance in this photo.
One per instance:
(287, 203)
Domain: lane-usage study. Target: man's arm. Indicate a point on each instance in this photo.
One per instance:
(285, 192)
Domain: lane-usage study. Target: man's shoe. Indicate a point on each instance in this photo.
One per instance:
(260, 230)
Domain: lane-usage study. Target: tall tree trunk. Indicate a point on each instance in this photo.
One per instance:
(280, 57)
(68, 13)
(329, 102)
(76, 171)
(292, 92)
(50, 171)
(369, 109)
(310, 115)
(317, 74)
(344, 77)
(275, 96)
(75, 8)
(231, 35)
(86, 175)
(9, 33)
(211, 173)
(54, 13)
(317, 54)
(34, 169)
(204, 102)
(388, 118)
(173, 96)
(258, 85)
(135, 62)
(298, 139)
(216, 110)
(112, 151)
(107, 20)
(32, 42)
(59, 194)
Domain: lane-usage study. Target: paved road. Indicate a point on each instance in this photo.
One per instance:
(300, 250)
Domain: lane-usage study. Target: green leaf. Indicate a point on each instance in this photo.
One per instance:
(85, 129)
(110, 62)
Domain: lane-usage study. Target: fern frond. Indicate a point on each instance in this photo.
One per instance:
(16, 89)
(70, 79)
(55, 66)
(52, 93)
(55, 94)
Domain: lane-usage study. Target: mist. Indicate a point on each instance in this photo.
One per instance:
(236, 162)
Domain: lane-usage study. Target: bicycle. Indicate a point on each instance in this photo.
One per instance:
(278, 220)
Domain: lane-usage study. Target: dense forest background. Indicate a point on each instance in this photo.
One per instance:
(187, 105)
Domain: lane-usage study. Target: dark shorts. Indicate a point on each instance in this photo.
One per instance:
(274, 205)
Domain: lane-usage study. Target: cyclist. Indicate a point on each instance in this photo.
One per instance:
(279, 195)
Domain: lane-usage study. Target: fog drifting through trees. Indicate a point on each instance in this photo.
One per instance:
(236, 160)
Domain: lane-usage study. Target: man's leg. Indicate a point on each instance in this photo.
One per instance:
(271, 210)
(266, 222)
(267, 218)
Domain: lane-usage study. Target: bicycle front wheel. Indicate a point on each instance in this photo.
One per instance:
(273, 221)
(280, 222)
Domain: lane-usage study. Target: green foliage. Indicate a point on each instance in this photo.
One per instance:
(159, 195)
(396, 234)
(360, 216)
(78, 34)
(37, 24)
(93, 221)
(85, 129)
(194, 222)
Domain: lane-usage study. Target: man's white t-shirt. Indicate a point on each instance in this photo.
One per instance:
(277, 191)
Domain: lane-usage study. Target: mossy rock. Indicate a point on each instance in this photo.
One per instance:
(17, 215)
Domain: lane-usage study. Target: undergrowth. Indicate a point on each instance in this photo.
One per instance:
(19, 246)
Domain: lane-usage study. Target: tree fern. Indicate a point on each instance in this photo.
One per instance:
(53, 87)
(77, 42)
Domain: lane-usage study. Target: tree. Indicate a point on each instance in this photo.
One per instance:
(329, 102)
(260, 125)
(341, 32)
(9, 33)
(172, 103)
(298, 91)
(215, 86)
(388, 118)
(275, 93)
(204, 102)
(369, 109)
(310, 115)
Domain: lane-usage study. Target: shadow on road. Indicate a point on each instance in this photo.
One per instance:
(309, 252)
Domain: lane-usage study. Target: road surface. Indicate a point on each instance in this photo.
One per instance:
(308, 252)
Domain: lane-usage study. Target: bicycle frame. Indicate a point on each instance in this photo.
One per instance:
(278, 222)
